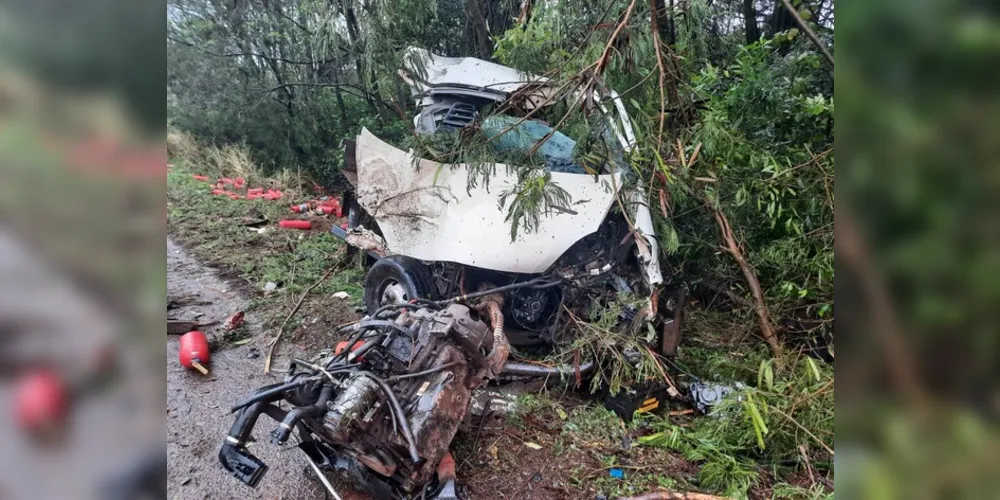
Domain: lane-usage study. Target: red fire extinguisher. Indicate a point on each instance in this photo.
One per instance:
(41, 401)
(194, 351)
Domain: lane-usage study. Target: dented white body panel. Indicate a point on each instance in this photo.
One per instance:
(468, 71)
(444, 221)
(429, 212)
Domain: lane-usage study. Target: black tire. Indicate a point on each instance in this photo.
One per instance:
(410, 274)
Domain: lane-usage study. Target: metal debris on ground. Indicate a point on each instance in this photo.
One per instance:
(386, 411)
(708, 394)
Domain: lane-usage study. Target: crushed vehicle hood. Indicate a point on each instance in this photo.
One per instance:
(430, 214)
(428, 70)
(428, 74)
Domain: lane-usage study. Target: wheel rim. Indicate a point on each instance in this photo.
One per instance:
(393, 293)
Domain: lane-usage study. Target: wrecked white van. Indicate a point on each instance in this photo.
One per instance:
(436, 236)
(453, 288)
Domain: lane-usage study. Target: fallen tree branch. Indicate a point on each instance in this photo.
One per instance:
(887, 330)
(281, 330)
(674, 495)
(655, 29)
(671, 387)
(602, 62)
(807, 431)
(809, 467)
(760, 307)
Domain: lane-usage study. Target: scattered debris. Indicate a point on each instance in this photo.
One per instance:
(341, 295)
(488, 402)
(617, 473)
(323, 206)
(270, 286)
(175, 327)
(225, 186)
(533, 446)
(187, 300)
(254, 221)
(234, 321)
(708, 394)
(295, 224)
(674, 495)
(366, 240)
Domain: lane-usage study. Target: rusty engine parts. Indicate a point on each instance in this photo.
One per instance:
(383, 408)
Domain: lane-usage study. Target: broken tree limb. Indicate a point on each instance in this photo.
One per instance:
(809, 32)
(760, 307)
(852, 249)
(809, 468)
(674, 495)
(281, 330)
(662, 72)
(671, 387)
(807, 431)
(602, 62)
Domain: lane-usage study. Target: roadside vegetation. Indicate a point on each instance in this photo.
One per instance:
(215, 229)
(732, 103)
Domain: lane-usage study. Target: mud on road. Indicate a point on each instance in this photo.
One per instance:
(198, 417)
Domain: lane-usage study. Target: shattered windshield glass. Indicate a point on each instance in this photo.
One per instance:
(559, 153)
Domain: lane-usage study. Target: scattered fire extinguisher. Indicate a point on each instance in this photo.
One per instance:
(194, 351)
(41, 402)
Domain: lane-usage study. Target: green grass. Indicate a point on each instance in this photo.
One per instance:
(212, 228)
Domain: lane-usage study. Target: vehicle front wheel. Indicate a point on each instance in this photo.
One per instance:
(396, 280)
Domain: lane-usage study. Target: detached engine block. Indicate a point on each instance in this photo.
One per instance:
(383, 407)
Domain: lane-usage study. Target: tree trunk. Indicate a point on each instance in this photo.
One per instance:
(750, 21)
(663, 19)
(781, 19)
(477, 33)
(525, 17)
(354, 34)
(335, 72)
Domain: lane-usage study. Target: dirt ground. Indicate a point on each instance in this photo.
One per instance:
(198, 417)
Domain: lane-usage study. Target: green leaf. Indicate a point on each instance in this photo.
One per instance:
(759, 427)
(813, 369)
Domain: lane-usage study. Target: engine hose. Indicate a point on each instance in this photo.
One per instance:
(537, 283)
(381, 323)
(414, 304)
(520, 369)
(398, 410)
(367, 346)
(269, 392)
(292, 418)
(501, 347)
(240, 431)
(425, 372)
(363, 327)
